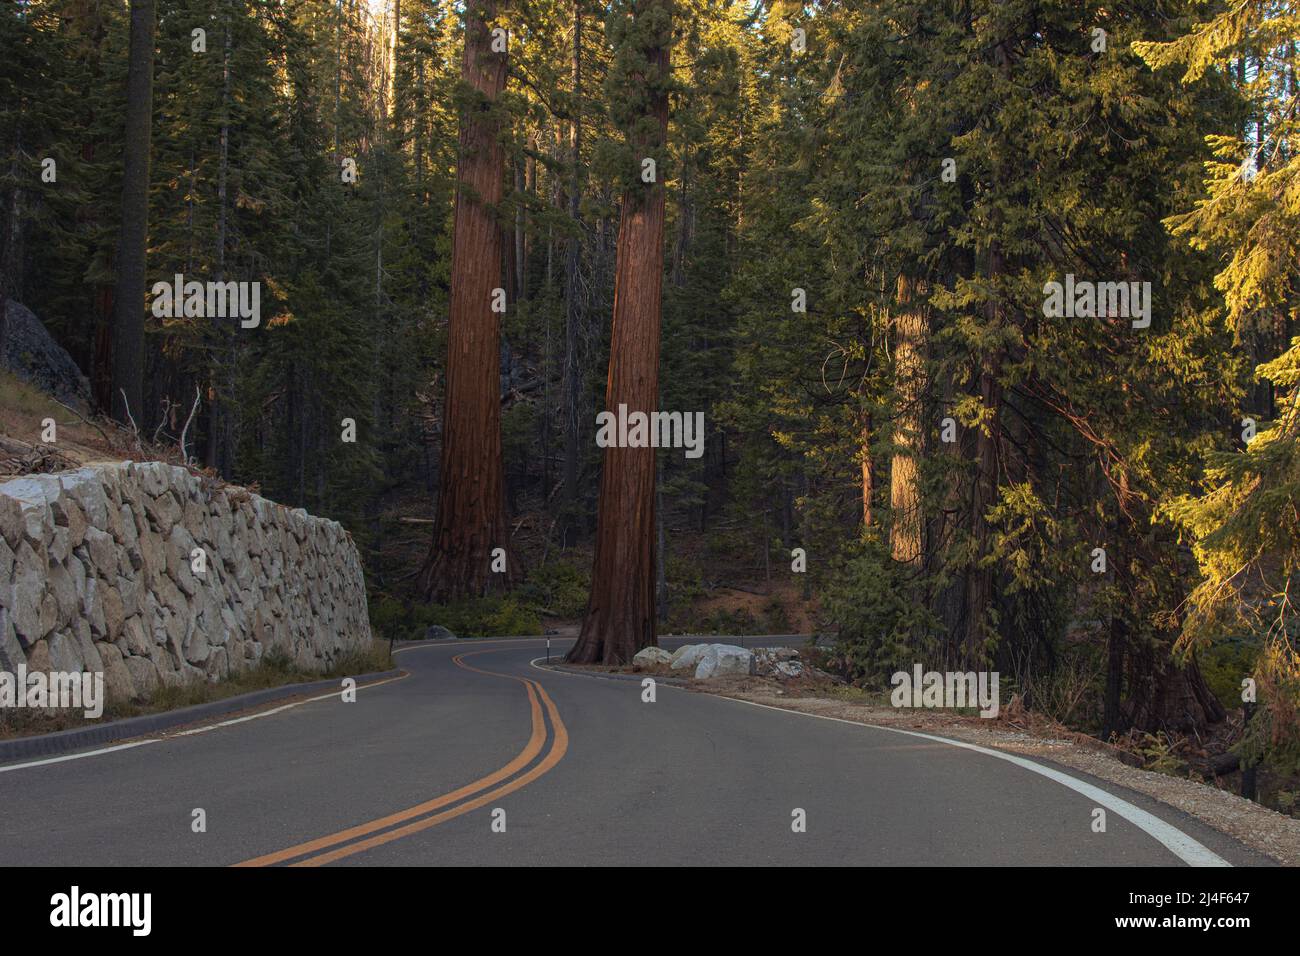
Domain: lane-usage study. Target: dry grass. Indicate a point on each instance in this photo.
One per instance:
(79, 439)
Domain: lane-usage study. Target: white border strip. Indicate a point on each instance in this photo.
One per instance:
(88, 753)
(1190, 851)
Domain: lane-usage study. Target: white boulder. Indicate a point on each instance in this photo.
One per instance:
(721, 659)
(651, 657)
(688, 655)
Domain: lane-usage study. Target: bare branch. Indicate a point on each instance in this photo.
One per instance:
(193, 408)
(134, 428)
(84, 419)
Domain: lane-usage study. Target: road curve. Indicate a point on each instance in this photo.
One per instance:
(478, 757)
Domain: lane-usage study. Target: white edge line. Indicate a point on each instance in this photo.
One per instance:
(225, 723)
(468, 642)
(275, 710)
(88, 753)
(1186, 848)
(188, 733)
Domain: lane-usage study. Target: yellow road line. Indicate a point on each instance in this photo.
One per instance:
(521, 760)
(558, 748)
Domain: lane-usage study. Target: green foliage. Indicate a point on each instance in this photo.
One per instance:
(730, 622)
(1224, 664)
(248, 140)
(558, 588)
(1242, 519)
(1156, 751)
(494, 616)
(877, 625)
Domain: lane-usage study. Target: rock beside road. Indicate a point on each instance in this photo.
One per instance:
(688, 655)
(652, 657)
(708, 661)
(31, 353)
(712, 660)
(780, 662)
(721, 659)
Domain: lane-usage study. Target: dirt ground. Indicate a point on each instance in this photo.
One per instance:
(734, 600)
(79, 439)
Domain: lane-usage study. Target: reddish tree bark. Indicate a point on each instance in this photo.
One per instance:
(912, 330)
(1166, 695)
(868, 469)
(471, 517)
(620, 616)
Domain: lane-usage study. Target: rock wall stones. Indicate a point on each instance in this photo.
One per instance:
(97, 573)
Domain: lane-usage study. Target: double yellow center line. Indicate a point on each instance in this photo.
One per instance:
(497, 784)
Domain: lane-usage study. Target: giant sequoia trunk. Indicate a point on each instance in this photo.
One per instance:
(128, 321)
(620, 617)
(912, 334)
(471, 520)
(1166, 695)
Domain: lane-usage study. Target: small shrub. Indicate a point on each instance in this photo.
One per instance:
(557, 588)
(1157, 753)
(388, 617)
(1068, 694)
(776, 619)
(879, 627)
(685, 581)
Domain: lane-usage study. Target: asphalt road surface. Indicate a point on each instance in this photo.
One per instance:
(478, 756)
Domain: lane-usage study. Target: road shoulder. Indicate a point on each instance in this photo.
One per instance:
(1268, 833)
(131, 728)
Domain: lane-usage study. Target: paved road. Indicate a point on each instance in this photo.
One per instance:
(415, 771)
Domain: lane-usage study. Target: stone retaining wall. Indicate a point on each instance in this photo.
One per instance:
(157, 576)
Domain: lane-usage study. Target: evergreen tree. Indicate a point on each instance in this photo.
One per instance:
(471, 500)
(1242, 520)
(128, 322)
(620, 617)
